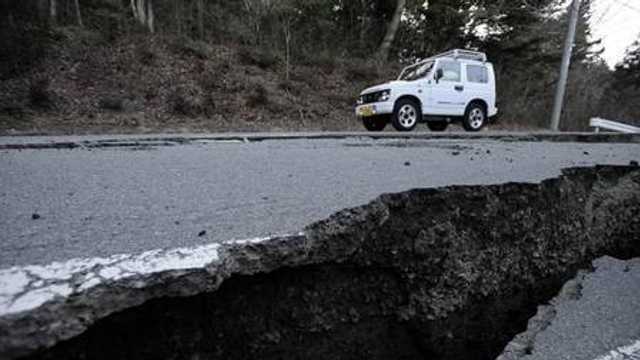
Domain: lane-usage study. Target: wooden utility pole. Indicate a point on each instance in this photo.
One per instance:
(558, 103)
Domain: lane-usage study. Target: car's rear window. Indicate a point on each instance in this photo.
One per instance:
(477, 74)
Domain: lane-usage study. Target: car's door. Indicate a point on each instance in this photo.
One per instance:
(446, 93)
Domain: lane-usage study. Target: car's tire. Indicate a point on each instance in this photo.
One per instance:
(475, 118)
(406, 115)
(375, 123)
(437, 126)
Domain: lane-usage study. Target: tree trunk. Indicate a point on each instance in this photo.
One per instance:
(78, 13)
(200, 5)
(178, 13)
(53, 11)
(286, 28)
(143, 13)
(392, 29)
(363, 24)
(150, 17)
(134, 10)
(142, 16)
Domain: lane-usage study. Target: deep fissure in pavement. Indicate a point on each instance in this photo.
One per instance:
(449, 273)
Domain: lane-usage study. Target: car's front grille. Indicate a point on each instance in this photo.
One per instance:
(370, 98)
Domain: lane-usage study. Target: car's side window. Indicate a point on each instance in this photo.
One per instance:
(450, 71)
(477, 74)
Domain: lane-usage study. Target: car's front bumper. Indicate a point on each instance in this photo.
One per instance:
(373, 109)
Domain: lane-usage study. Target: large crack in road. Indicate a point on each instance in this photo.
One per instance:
(448, 273)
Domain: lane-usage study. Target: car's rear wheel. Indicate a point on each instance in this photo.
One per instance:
(375, 123)
(406, 115)
(475, 118)
(437, 125)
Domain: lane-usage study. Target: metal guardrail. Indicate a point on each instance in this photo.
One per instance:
(599, 123)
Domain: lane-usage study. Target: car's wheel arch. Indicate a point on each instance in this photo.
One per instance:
(480, 102)
(413, 98)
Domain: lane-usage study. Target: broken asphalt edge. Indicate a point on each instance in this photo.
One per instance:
(106, 141)
(41, 306)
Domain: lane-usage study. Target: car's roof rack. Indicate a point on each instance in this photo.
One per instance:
(462, 54)
(454, 54)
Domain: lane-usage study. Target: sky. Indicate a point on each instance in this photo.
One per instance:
(617, 23)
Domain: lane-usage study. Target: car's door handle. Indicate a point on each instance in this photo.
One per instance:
(459, 88)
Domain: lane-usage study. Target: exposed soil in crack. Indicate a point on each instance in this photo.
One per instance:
(451, 273)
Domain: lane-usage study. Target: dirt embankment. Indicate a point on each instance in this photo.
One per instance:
(452, 273)
(137, 83)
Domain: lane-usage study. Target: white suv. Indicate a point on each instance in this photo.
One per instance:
(456, 85)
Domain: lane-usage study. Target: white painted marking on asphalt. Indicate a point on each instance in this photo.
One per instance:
(26, 288)
(258, 240)
(35, 298)
(248, 241)
(629, 352)
(13, 281)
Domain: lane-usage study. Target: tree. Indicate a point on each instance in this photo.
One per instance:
(143, 13)
(53, 11)
(258, 11)
(392, 29)
(286, 20)
(200, 10)
(78, 13)
(627, 73)
(620, 99)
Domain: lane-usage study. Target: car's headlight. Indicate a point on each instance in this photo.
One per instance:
(384, 95)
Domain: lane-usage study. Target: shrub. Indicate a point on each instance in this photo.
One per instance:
(341, 99)
(209, 80)
(39, 94)
(145, 55)
(290, 87)
(185, 101)
(13, 110)
(324, 60)
(24, 45)
(258, 97)
(261, 58)
(361, 71)
(193, 48)
(112, 103)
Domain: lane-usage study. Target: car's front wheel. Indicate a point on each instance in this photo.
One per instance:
(475, 118)
(375, 123)
(406, 115)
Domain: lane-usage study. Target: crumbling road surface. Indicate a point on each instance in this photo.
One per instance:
(438, 272)
(450, 273)
(88, 197)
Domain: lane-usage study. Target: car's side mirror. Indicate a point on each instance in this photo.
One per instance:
(438, 75)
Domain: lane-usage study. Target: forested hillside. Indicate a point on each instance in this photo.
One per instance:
(77, 66)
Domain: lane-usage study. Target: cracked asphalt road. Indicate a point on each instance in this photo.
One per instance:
(599, 321)
(60, 204)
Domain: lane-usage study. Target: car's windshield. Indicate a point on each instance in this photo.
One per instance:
(416, 71)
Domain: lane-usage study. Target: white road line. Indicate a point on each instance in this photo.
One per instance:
(629, 352)
(24, 288)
